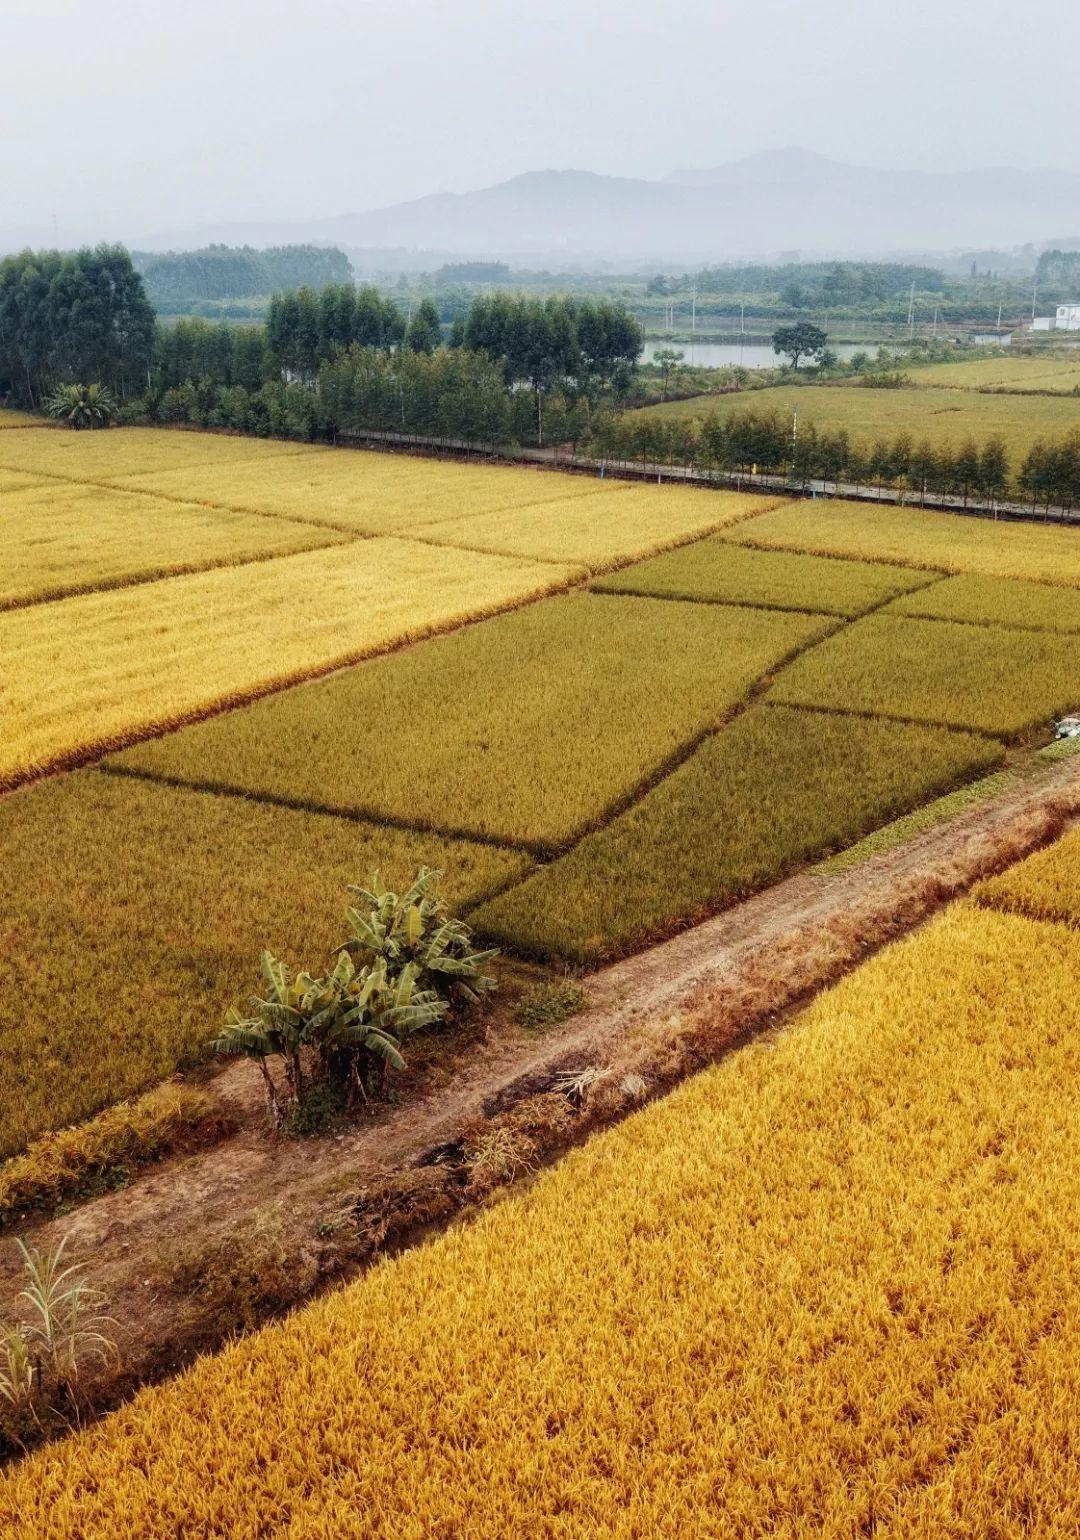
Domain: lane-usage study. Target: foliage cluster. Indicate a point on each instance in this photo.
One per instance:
(72, 316)
(872, 1210)
(599, 699)
(405, 965)
(123, 871)
(770, 791)
(177, 280)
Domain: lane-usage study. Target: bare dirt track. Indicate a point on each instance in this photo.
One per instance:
(222, 1238)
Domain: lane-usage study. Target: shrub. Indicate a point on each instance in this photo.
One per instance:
(83, 406)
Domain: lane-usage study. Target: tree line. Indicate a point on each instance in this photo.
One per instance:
(177, 279)
(767, 443)
(74, 316)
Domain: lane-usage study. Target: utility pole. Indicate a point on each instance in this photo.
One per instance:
(1034, 291)
(911, 310)
(742, 331)
(936, 309)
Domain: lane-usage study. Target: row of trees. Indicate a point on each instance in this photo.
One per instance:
(448, 393)
(78, 316)
(175, 280)
(766, 443)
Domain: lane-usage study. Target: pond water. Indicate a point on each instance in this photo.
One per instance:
(750, 355)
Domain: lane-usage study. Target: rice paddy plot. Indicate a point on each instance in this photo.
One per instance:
(528, 727)
(1046, 886)
(772, 790)
(915, 537)
(715, 571)
(132, 916)
(601, 530)
(19, 481)
(827, 1287)
(100, 670)
(368, 492)
(985, 678)
(66, 537)
(939, 415)
(1030, 372)
(106, 454)
(995, 602)
(11, 417)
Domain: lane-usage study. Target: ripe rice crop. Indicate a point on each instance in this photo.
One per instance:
(995, 602)
(11, 417)
(719, 572)
(1030, 373)
(613, 525)
(827, 1288)
(770, 791)
(133, 917)
(99, 670)
(102, 455)
(19, 481)
(67, 537)
(1046, 886)
(985, 678)
(528, 727)
(939, 415)
(365, 491)
(914, 537)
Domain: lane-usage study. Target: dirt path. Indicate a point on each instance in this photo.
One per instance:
(652, 1019)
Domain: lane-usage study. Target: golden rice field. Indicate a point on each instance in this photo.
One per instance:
(100, 456)
(66, 537)
(987, 601)
(133, 916)
(94, 671)
(365, 491)
(939, 415)
(916, 537)
(827, 1288)
(1029, 372)
(11, 417)
(1045, 887)
(715, 571)
(985, 678)
(529, 728)
(613, 525)
(772, 790)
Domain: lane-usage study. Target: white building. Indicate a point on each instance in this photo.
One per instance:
(1067, 318)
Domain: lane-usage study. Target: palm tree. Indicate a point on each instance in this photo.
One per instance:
(83, 406)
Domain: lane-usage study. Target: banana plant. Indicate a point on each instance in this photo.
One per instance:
(277, 1029)
(414, 929)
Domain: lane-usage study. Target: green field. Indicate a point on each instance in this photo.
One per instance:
(989, 680)
(714, 571)
(132, 917)
(604, 692)
(937, 414)
(774, 789)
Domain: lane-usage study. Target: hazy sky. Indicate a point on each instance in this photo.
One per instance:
(126, 116)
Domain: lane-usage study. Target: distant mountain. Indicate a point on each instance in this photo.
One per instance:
(781, 200)
(759, 205)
